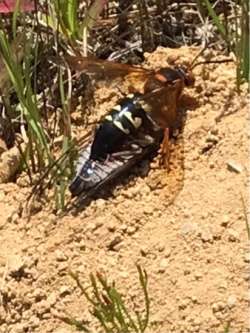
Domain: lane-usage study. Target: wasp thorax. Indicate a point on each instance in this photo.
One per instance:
(171, 75)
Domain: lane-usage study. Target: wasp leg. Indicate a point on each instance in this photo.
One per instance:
(165, 150)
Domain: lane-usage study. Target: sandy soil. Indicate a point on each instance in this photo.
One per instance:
(187, 228)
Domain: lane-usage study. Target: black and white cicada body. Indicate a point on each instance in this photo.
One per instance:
(125, 135)
(123, 121)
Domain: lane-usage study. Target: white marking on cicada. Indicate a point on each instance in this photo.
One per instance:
(109, 117)
(120, 126)
(117, 107)
(136, 122)
(145, 106)
(131, 96)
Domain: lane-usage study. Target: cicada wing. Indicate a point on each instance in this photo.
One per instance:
(135, 149)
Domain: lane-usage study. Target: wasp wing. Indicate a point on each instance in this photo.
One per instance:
(103, 69)
(162, 102)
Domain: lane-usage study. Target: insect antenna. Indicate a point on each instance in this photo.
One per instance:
(206, 62)
(192, 65)
(212, 62)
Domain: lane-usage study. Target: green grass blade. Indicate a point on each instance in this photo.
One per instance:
(244, 42)
(23, 90)
(14, 19)
(144, 283)
(60, 9)
(245, 215)
(83, 290)
(72, 17)
(73, 322)
(125, 311)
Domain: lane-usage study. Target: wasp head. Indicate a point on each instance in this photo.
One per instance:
(186, 74)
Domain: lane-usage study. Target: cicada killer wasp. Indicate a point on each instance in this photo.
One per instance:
(154, 99)
(164, 85)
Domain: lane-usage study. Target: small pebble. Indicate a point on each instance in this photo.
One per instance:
(223, 285)
(231, 301)
(97, 224)
(20, 328)
(183, 304)
(23, 181)
(211, 165)
(124, 275)
(100, 203)
(194, 299)
(82, 245)
(188, 228)
(111, 226)
(148, 209)
(225, 220)
(15, 218)
(123, 227)
(35, 207)
(197, 321)
(81, 269)
(62, 267)
(60, 256)
(235, 167)
(39, 294)
(52, 299)
(206, 236)
(247, 257)
(144, 251)
(42, 307)
(160, 247)
(34, 322)
(131, 230)
(214, 131)
(198, 275)
(15, 264)
(187, 271)
(163, 265)
(112, 245)
(212, 138)
(167, 253)
(64, 290)
(246, 298)
(2, 196)
(187, 214)
(233, 235)
(218, 306)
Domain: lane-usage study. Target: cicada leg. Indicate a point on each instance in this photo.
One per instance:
(165, 150)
